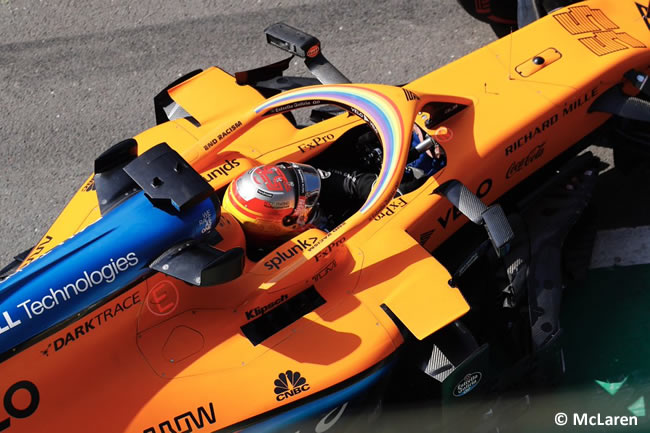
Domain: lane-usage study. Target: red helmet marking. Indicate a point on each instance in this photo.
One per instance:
(272, 178)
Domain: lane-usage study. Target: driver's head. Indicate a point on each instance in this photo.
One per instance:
(274, 201)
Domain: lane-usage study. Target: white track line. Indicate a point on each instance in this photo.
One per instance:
(621, 247)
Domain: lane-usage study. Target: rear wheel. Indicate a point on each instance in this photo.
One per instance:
(551, 5)
(502, 14)
(11, 267)
(632, 147)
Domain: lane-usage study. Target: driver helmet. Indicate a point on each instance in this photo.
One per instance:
(274, 201)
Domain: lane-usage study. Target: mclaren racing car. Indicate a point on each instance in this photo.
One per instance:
(145, 308)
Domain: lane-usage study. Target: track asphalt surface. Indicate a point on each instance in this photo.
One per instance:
(79, 76)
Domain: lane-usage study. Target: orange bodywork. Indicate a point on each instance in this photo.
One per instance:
(163, 348)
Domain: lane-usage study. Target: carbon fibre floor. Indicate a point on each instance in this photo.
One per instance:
(606, 350)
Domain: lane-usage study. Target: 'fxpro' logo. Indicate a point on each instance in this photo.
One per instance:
(289, 384)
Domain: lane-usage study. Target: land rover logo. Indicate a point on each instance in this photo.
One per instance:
(468, 383)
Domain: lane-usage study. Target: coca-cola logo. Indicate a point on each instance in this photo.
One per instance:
(534, 155)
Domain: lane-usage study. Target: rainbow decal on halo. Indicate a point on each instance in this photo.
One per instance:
(371, 106)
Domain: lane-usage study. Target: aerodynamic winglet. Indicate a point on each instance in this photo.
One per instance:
(167, 179)
(614, 101)
(199, 264)
(423, 300)
(492, 218)
(112, 184)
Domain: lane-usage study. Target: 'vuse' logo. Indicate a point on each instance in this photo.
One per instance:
(289, 384)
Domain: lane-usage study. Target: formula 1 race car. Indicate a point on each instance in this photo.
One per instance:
(145, 308)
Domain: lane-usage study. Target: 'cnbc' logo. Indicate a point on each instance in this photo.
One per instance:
(289, 384)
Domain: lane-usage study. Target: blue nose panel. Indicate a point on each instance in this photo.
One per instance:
(94, 264)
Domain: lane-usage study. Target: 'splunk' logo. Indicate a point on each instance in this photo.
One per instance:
(223, 170)
(604, 40)
(289, 384)
(282, 256)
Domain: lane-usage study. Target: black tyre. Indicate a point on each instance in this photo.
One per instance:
(500, 12)
(11, 267)
(551, 5)
(632, 147)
